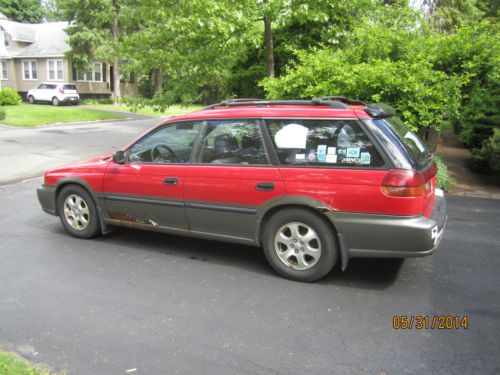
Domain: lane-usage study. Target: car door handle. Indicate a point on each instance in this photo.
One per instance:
(170, 181)
(265, 186)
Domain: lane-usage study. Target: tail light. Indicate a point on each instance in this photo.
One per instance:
(403, 183)
(61, 90)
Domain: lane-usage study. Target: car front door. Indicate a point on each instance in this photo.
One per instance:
(147, 190)
(39, 91)
(230, 179)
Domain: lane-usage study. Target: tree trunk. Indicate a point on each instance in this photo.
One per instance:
(268, 36)
(158, 81)
(116, 70)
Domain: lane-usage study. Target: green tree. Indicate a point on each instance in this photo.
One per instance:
(94, 33)
(28, 11)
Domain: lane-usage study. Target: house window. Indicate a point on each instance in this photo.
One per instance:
(6, 41)
(55, 70)
(4, 70)
(94, 74)
(30, 72)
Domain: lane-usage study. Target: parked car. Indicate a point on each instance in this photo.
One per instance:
(315, 183)
(55, 93)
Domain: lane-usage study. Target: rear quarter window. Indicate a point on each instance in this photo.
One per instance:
(338, 143)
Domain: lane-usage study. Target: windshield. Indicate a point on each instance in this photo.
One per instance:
(412, 144)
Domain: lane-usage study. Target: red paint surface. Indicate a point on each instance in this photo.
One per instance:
(348, 190)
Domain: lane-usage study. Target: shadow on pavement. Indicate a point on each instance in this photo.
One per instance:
(373, 274)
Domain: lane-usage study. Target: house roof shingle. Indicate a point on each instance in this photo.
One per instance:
(45, 39)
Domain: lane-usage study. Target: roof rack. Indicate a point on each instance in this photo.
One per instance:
(335, 104)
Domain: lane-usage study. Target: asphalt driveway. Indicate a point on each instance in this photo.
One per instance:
(27, 152)
(162, 304)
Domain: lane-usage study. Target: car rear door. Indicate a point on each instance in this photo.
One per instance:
(230, 179)
(147, 190)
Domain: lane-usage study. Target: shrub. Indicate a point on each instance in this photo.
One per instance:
(9, 96)
(444, 181)
(108, 100)
(2, 114)
(487, 158)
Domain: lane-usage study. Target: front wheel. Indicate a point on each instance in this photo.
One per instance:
(78, 212)
(31, 99)
(55, 101)
(300, 245)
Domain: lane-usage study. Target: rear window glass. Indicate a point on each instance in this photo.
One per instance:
(323, 142)
(69, 87)
(413, 145)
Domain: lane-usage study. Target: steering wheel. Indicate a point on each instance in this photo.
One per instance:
(156, 153)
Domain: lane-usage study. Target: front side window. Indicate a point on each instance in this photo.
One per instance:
(169, 144)
(4, 70)
(30, 72)
(55, 70)
(232, 142)
(94, 74)
(339, 143)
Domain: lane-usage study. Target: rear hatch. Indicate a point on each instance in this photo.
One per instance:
(69, 89)
(410, 153)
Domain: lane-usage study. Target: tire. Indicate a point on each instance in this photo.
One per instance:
(55, 101)
(75, 103)
(31, 99)
(77, 212)
(300, 245)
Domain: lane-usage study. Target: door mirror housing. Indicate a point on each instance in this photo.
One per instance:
(119, 157)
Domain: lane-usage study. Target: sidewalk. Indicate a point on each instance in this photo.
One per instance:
(467, 183)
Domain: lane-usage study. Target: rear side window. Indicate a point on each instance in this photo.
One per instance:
(341, 143)
(69, 87)
(232, 142)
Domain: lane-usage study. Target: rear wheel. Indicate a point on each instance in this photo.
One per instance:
(31, 99)
(55, 101)
(300, 245)
(78, 212)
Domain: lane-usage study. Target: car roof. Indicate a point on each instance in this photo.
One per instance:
(275, 111)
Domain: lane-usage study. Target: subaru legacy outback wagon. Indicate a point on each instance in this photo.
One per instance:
(314, 183)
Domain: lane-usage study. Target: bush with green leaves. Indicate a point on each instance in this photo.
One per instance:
(385, 60)
(443, 179)
(2, 114)
(9, 96)
(487, 158)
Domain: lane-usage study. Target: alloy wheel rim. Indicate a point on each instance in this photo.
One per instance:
(298, 246)
(76, 212)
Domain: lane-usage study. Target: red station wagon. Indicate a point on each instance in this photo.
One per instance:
(313, 182)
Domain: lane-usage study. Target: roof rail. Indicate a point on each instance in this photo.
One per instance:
(335, 104)
(342, 99)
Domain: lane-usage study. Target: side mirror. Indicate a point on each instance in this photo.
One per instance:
(119, 157)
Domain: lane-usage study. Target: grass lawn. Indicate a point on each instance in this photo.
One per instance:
(28, 115)
(172, 110)
(12, 365)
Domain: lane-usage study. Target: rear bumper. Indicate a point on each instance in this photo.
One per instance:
(47, 198)
(385, 236)
(70, 99)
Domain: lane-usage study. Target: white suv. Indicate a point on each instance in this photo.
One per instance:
(55, 93)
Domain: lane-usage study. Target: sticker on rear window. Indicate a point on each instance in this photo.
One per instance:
(365, 158)
(342, 151)
(300, 157)
(332, 150)
(291, 136)
(331, 158)
(321, 153)
(353, 152)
